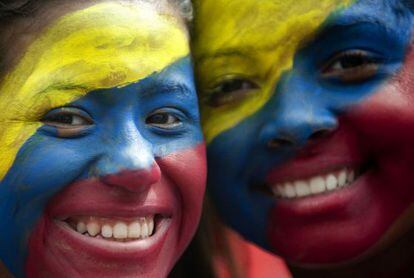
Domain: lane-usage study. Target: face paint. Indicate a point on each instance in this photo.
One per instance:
(291, 97)
(100, 135)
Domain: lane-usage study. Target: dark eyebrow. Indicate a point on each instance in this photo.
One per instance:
(178, 88)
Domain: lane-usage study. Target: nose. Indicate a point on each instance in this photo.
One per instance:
(297, 117)
(134, 180)
(126, 160)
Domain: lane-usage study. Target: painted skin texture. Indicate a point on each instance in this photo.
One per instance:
(99, 118)
(292, 90)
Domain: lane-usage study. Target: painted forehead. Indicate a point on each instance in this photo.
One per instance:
(260, 40)
(103, 46)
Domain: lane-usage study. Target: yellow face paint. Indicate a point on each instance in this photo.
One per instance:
(106, 45)
(251, 39)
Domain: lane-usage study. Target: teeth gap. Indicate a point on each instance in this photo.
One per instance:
(115, 230)
(316, 185)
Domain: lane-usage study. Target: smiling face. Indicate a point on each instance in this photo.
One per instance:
(307, 111)
(102, 161)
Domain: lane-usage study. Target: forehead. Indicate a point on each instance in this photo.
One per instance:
(105, 45)
(259, 24)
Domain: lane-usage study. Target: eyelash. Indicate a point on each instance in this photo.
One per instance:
(363, 67)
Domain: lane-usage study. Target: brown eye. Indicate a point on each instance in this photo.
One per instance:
(353, 66)
(231, 91)
(68, 121)
(163, 119)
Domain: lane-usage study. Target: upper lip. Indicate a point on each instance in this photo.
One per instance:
(94, 198)
(331, 154)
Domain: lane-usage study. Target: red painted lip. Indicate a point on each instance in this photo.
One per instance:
(107, 249)
(53, 238)
(89, 198)
(340, 225)
(328, 203)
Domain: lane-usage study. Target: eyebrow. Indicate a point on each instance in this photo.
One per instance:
(178, 88)
(354, 16)
(242, 52)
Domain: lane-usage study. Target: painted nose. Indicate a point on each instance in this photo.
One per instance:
(137, 181)
(286, 139)
(126, 160)
(297, 118)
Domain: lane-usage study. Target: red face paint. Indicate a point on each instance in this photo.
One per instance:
(174, 197)
(375, 137)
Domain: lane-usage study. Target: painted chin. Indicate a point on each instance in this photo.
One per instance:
(328, 199)
(118, 239)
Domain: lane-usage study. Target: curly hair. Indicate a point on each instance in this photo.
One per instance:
(12, 8)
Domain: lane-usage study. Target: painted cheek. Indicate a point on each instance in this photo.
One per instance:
(385, 123)
(40, 170)
(187, 170)
(388, 113)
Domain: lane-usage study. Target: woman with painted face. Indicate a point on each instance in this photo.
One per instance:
(307, 108)
(102, 165)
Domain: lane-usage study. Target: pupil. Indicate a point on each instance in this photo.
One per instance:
(352, 62)
(65, 119)
(233, 85)
(159, 118)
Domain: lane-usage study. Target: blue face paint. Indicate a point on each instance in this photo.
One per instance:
(120, 138)
(304, 102)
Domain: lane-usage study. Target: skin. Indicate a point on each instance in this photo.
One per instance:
(99, 118)
(292, 90)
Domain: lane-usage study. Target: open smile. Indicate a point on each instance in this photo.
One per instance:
(316, 184)
(113, 236)
(115, 229)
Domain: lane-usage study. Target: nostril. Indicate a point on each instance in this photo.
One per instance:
(134, 180)
(319, 134)
(279, 142)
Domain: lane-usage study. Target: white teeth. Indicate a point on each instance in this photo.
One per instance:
(108, 229)
(81, 227)
(290, 190)
(314, 185)
(331, 182)
(342, 178)
(317, 185)
(120, 230)
(134, 230)
(144, 228)
(302, 188)
(93, 228)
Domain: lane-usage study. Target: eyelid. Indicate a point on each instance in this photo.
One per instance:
(357, 51)
(68, 109)
(228, 77)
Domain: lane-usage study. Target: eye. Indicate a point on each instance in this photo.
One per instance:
(68, 121)
(230, 91)
(163, 119)
(352, 66)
